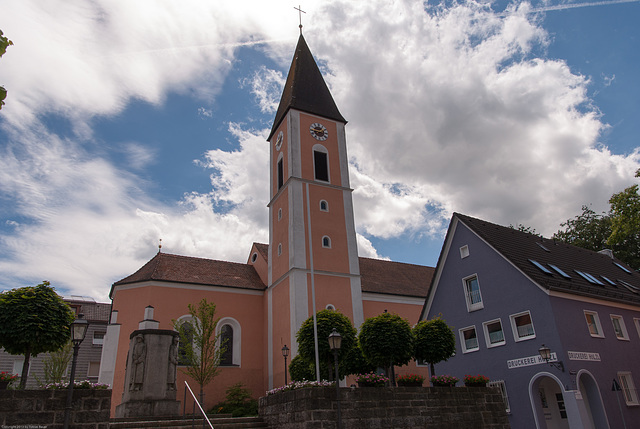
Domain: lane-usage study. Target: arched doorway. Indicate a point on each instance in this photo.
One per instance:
(548, 402)
(592, 399)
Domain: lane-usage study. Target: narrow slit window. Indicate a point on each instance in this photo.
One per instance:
(280, 174)
(321, 165)
(326, 242)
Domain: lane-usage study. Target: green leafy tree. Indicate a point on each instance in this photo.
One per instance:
(4, 44)
(33, 320)
(618, 230)
(301, 369)
(588, 230)
(56, 363)
(356, 363)
(435, 342)
(201, 345)
(326, 320)
(625, 225)
(387, 341)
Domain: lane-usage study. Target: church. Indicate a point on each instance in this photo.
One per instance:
(310, 264)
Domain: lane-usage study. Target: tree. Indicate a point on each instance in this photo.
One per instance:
(387, 341)
(4, 44)
(56, 364)
(201, 345)
(625, 225)
(326, 320)
(587, 230)
(435, 342)
(618, 230)
(33, 320)
(301, 369)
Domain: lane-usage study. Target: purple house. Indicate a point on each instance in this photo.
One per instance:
(512, 297)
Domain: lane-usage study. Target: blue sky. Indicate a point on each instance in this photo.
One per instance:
(127, 122)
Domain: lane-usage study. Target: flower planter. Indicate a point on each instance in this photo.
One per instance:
(410, 383)
(363, 384)
(475, 384)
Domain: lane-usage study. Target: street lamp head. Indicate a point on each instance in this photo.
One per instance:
(545, 353)
(285, 351)
(78, 330)
(335, 340)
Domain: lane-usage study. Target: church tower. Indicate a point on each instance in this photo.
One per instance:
(313, 256)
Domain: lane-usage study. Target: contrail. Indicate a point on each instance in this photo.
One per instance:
(575, 5)
(572, 6)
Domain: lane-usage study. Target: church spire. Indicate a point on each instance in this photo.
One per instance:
(305, 89)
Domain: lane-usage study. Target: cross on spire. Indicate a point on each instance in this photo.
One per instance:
(300, 12)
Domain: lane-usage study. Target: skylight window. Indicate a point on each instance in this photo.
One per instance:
(542, 246)
(588, 277)
(542, 267)
(622, 267)
(631, 287)
(608, 280)
(559, 271)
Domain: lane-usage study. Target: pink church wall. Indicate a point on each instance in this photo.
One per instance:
(281, 328)
(171, 303)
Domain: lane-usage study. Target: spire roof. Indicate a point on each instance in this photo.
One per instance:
(305, 89)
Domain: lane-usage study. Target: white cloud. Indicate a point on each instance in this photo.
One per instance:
(449, 111)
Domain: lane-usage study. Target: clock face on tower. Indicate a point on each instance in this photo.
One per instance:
(279, 140)
(318, 131)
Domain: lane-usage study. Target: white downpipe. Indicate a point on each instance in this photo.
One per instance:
(313, 287)
(196, 401)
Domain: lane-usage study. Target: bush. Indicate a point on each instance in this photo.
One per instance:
(444, 380)
(238, 402)
(475, 380)
(301, 369)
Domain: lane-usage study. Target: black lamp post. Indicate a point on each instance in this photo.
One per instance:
(335, 341)
(285, 353)
(78, 331)
(545, 354)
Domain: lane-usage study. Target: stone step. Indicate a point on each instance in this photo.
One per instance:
(186, 423)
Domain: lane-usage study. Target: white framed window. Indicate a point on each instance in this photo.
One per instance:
(593, 323)
(230, 333)
(628, 388)
(279, 249)
(18, 364)
(619, 327)
(326, 242)
(94, 370)
(522, 326)
(324, 206)
(279, 214)
(503, 390)
(98, 338)
(184, 347)
(464, 251)
(320, 163)
(469, 339)
(330, 307)
(472, 293)
(493, 333)
(637, 323)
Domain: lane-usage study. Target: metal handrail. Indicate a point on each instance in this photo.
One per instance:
(196, 401)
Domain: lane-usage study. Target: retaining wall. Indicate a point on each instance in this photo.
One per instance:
(36, 409)
(398, 408)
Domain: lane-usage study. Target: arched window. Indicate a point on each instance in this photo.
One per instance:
(231, 337)
(185, 348)
(226, 340)
(321, 163)
(326, 242)
(280, 171)
(324, 206)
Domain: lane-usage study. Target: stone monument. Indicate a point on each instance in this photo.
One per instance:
(150, 374)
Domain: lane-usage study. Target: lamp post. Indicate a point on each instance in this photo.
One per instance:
(545, 354)
(335, 341)
(285, 353)
(78, 331)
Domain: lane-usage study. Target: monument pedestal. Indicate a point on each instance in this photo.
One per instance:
(150, 375)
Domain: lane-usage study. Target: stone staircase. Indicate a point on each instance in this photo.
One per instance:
(219, 421)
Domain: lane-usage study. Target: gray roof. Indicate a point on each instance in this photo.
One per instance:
(521, 248)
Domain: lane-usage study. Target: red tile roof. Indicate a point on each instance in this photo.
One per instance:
(378, 276)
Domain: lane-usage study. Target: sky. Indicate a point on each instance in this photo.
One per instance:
(130, 122)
